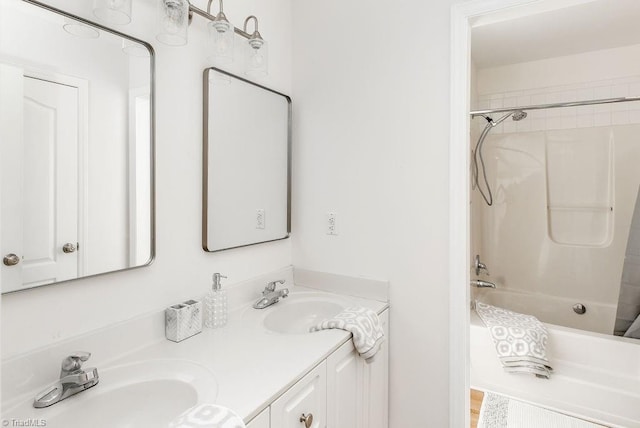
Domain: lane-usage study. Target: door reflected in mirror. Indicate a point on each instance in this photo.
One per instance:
(246, 185)
(76, 109)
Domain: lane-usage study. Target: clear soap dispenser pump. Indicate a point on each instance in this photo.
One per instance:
(215, 303)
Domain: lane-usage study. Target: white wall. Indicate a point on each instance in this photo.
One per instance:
(371, 118)
(38, 317)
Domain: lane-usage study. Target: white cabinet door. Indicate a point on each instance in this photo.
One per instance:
(376, 383)
(260, 421)
(345, 388)
(307, 397)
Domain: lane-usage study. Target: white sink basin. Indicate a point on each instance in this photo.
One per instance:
(298, 312)
(144, 394)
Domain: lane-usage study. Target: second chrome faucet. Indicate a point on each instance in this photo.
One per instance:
(270, 295)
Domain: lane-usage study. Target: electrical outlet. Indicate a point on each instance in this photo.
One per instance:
(332, 226)
(260, 218)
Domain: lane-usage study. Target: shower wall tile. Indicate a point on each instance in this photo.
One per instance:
(634, 89)
(586, 120)
(524, 100)
(602, 119)
(634, 116)
(620, 90)
(620, 118)
(569, 117)
(568, 122)
(538, 99)
(511, 102)
(496, 103)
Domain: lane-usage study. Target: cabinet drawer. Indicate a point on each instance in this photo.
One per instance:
(308, 396)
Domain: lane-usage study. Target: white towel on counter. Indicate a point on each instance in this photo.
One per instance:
(208, 416)
(363, 324)
(520, 340)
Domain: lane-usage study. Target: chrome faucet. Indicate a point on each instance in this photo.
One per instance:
(73, 379)
(270, 295)
(482, 284)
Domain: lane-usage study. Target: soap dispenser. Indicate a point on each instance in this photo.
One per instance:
(215, 303)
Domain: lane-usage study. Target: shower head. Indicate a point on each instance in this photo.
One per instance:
(518, 115)
(514, 114)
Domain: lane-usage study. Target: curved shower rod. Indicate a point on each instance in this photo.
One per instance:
(555, 105)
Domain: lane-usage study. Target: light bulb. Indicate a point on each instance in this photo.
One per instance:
(222, 46)
(170, 25)
(257, 59)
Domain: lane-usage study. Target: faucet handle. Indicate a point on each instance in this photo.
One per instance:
(73, 362)
(272, 285)
(479, 266)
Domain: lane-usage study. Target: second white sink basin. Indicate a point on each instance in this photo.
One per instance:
(298, 312)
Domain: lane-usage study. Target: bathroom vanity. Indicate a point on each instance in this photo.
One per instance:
(343, 390)
(263, 365)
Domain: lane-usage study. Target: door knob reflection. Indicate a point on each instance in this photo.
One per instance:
(69, 248)
(11, 259)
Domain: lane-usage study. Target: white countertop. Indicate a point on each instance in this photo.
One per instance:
(252, 365)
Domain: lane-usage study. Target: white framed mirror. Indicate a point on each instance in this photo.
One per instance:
(77, 144)
(247, 163)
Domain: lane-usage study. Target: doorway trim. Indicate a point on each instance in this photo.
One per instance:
(462, 17)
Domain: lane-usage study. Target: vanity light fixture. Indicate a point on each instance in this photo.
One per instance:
(174, 17)
(113, 11)
(221, 35)
(256, 55)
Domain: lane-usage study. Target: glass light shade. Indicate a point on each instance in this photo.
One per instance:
(173, 22)
(221, 38)
(113, 11)
(256, 59)
(79, 29)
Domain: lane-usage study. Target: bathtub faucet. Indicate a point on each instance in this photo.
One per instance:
(482, 284)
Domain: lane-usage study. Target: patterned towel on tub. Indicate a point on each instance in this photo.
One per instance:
(520, 340)
(365, 326)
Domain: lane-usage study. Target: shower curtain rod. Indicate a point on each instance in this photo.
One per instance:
(555, 105)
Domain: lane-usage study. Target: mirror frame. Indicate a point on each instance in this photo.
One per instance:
(152, 142)
(205, 156)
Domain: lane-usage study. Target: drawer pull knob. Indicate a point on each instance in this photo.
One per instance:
(307, 419)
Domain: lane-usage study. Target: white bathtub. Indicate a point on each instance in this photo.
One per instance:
(599, 318)
(596, 377)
